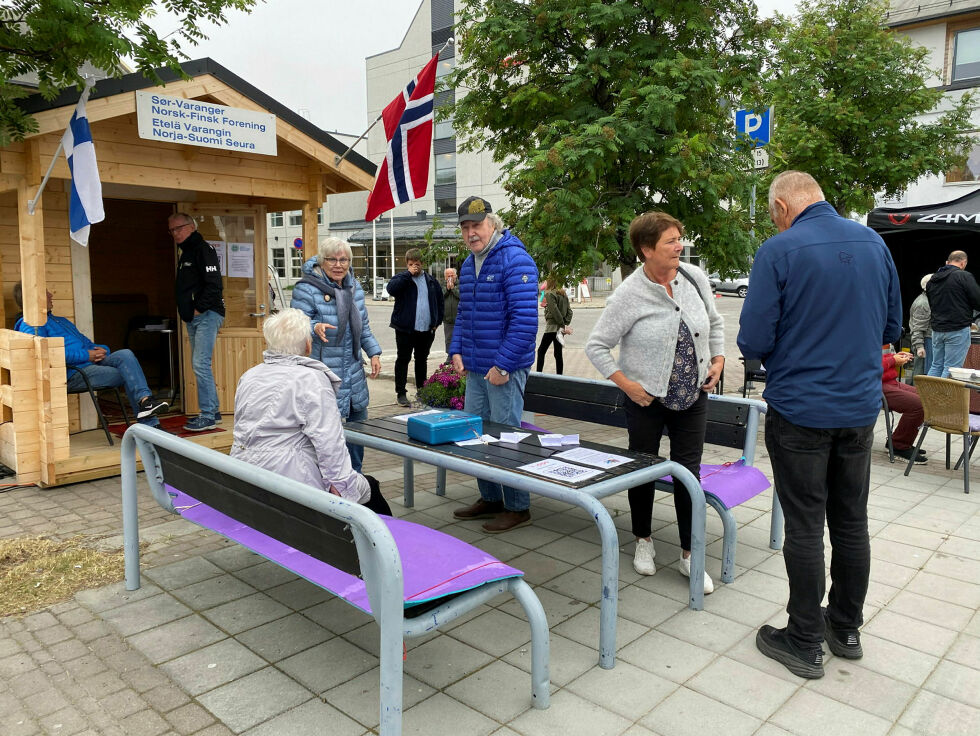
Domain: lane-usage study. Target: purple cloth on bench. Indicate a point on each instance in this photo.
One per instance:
(528, 425)
(733, 483)
(434, 564)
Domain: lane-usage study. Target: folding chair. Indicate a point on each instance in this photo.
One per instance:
(94, 393)
(889, 427)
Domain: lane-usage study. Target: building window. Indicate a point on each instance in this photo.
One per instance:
(445, 168)
(319, 215)
(275, 219)
(296, 218)
(966, 54)
(445, 206)
(967, 169)
(444, 129)
(279, 260)
(445, 66)
(297, 269)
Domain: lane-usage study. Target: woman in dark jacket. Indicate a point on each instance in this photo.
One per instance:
(557, 316)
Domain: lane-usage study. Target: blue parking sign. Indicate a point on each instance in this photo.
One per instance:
(756, 126)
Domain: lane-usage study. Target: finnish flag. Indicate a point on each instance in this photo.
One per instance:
(85, 205)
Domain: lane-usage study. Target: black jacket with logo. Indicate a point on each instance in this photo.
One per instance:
(953, 298)
(198, 284)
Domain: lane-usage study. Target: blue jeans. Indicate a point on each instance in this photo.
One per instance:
(949, 350)
(203, 333)
(356, 451)
(119, 368)
(502, 404)
(822, 473)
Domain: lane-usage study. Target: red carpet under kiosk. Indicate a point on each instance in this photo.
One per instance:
(173, 423)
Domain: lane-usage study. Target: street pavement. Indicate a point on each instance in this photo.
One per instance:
(219, 641)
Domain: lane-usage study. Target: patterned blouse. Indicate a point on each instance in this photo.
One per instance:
(682, 388)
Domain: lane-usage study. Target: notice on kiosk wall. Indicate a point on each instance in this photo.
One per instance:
(197, 123)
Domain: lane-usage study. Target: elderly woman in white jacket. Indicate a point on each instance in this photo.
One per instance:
(286, 416)
(671, 355)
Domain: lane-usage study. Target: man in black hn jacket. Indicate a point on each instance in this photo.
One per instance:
(953, 297)
(201, 305)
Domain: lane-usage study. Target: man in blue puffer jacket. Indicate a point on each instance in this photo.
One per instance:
(493, 343)
(102, 367)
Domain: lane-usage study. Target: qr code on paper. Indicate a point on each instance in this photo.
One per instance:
(568, 472)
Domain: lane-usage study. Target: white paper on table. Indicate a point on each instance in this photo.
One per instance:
(513, 437)
(595, 458)
(570, 439)
(550, 440)
(557, 470)
(484, 440)
(404, 417)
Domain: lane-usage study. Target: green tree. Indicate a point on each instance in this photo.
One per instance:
(49, 41)
(600, 110)
(849, 98)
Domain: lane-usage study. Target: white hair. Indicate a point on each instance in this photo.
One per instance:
(332, 247)
(495, 220)
(287, 332)
(796, 188)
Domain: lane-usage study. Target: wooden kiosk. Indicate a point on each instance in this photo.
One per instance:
(124, 280)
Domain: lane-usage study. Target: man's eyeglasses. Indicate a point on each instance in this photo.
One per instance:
(173, 230)
(337, 261)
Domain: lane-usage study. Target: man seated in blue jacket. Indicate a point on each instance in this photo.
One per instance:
(493, 343)
(105, 369)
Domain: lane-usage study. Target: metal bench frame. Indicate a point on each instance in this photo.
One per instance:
(380, 564)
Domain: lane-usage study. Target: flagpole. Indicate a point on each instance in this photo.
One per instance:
(374, 257)
(32, 205)
(337, 159)
(391, 231)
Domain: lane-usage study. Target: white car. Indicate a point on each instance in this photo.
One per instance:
(738, 285)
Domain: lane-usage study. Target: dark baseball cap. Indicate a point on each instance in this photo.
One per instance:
(474, 209)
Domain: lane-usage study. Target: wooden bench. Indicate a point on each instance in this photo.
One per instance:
(732, 422)
(410, 578)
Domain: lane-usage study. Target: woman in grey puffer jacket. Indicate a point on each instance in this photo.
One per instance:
(920, 327)
(334, 301)
(286, 417)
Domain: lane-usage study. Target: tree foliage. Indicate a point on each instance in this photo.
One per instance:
(600, 110)
(850, 96)
(53, 39)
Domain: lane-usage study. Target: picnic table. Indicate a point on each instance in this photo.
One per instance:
(503, 463)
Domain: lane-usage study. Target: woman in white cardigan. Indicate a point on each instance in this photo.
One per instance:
(671, 356)
(286, 416)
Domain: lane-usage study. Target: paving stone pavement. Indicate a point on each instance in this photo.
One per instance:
(218, 641)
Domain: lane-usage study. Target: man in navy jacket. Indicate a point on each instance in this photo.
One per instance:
(823, 299)
(418, 311)
(493, 343)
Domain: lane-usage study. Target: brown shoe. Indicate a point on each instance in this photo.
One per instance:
(508, 520)
(480, 510)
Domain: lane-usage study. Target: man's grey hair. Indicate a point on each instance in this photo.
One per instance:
(796, 188)
(287, 332)
(495, 220)
(334, 247)
(957, 256)
(450, 268)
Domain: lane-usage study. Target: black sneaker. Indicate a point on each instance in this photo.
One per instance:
(844, 643)
(403, 400)
(149, 407)
(920, 459)
(776, 645)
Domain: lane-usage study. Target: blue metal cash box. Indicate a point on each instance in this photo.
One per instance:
(445, 427)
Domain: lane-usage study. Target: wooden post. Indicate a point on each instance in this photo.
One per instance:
(32, 257)
(311, 233)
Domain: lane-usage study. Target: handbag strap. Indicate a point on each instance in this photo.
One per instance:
(694, 283)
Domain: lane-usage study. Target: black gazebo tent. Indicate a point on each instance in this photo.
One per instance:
(920, 238)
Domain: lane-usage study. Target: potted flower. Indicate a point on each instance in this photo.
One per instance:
(444, 389)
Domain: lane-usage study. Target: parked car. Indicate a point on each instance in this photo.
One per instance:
(738, 285)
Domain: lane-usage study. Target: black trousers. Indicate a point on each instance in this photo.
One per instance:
(645, 425)
(822, 473)
(547, 340)
(377, 503)
(407, 343)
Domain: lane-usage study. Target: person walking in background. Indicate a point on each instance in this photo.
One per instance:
(450, 300)
(333, 299)
(920, 317)
(557, 316)
(493, 343)
(418, 311)
(671, 355)
(953, 298)
(825, 297)
(905, 400)
(201, 304)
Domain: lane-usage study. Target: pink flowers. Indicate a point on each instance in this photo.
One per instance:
(444, 388)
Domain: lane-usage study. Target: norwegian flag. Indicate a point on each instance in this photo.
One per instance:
(404, 174)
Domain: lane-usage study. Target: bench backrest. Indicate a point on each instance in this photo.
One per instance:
(602, 402)
(323, 537)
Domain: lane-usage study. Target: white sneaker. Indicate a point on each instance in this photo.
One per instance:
(643, 557)
(685, 568)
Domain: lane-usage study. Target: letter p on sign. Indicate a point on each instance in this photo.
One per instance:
(755, 125)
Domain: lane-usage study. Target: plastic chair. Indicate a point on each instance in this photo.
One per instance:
(94, 393)
(889, 426)
(946, 404)
(753, 373)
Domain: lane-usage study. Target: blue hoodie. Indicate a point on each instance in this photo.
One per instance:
(823, 298)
